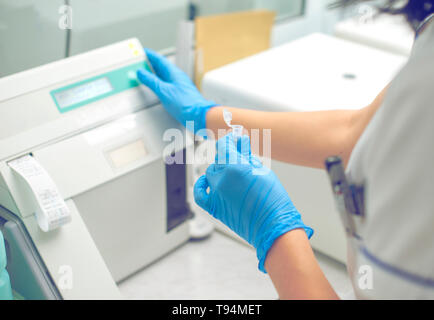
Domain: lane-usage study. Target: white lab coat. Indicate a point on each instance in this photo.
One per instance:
(394, 159)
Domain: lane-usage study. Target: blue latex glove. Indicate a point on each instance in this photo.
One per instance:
(247, 197)
(176, 91)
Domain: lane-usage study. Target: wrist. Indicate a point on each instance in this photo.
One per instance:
(276, 230)
(197, 115)
(294, 271)
(205, 110)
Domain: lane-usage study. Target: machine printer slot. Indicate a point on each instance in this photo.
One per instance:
(50, 209)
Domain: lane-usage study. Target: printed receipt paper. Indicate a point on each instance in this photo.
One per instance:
(51, 210)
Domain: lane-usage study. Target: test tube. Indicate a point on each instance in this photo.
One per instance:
(227, 117)
(237, 131)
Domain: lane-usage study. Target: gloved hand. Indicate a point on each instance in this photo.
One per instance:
(247, 197)
(176, 91)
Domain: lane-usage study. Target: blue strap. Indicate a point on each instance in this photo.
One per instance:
(411, 277)
(423, 25)
(2, 253)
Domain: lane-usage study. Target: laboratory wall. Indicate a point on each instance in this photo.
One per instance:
(31, 35)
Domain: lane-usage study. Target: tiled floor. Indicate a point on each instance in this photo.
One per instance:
(216, 268)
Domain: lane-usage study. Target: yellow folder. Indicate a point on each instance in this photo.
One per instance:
(222, 39)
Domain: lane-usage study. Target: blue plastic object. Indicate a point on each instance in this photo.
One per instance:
(2, 252)
(247, 197)
(176, 91)
(5, 283)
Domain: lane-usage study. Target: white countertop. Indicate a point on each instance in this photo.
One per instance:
(312, 73)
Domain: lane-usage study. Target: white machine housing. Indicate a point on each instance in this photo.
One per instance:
(107, 159)
(316, 72)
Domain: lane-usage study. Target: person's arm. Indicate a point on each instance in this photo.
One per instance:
(249, 199)
(302, 138)
(294, 270)
(274, 227)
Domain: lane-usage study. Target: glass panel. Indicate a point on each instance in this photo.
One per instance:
(100, 22)
(31, 32)
(283, 8)
(211, 7)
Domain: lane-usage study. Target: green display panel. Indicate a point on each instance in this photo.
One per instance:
(81, 93)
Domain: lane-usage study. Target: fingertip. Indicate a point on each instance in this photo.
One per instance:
(151, 54)
(226, 149)
(158, 62)
(147, 78)
(201, 183)
(210, 170)
(199, 192)
(141, 73)
(245, 137)
(244, 147)
(225, 141)
(255, 162)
